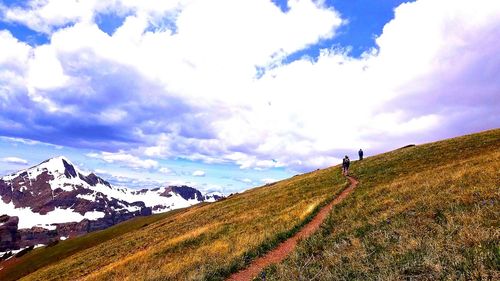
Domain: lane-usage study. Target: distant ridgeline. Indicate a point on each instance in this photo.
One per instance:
(55, 200)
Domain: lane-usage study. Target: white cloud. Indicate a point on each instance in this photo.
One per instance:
(268, 180)
(15, 160)
(182, 81)
(45, 70)
(101, 171)
(16, 141)
(44, 16)
(12, 51)
(182, 182)
(14, 57)
(127, 179)
(165, 170)
(125, 159)
(112, 116)
(198, 173)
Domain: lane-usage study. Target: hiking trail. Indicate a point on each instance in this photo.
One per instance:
(285, 248)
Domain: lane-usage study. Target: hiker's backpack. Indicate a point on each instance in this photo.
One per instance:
(345, 162)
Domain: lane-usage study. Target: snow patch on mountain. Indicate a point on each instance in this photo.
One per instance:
(29, 219)
(14, 252)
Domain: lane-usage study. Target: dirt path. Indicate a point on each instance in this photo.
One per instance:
(285, 248)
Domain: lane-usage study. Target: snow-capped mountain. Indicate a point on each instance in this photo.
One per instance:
(55, 200)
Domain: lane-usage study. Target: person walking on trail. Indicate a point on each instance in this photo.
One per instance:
(360, 153)
(345, 165)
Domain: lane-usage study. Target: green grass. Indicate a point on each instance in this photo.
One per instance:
(429, 212)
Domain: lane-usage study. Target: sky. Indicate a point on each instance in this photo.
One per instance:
(225, 95)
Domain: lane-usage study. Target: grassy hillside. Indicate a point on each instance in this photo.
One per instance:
(429, 212)
(203, 242)
(40, 257)
(419, 213)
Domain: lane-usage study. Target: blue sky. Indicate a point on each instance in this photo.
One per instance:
(364, 22)
(225, 97)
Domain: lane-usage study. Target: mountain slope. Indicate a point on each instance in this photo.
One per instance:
(428, 212)
(418, 213)
(55, 200)
(204, 240)
(14, 268)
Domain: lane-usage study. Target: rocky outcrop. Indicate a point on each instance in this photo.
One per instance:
(8, 232)
(12, 238)
(94, 180)
(213, 197)
(186, 192)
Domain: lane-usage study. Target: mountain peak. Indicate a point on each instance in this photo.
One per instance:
(60, 157)
(57, 160)
(59, 164)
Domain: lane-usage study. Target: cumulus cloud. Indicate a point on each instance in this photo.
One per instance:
(198, 173)
(43, 16)
(15, 160)
(125, 159)
(453, 80)
(207, 80)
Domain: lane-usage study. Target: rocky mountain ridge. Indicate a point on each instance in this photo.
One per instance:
(55, 200)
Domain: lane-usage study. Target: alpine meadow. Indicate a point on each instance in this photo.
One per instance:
(421, 212)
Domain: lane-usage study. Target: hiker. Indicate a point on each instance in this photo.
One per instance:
(345, 165)
(360, 153)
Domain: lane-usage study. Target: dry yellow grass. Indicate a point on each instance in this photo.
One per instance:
(429, 212)
(420, 213)
(205, 242)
